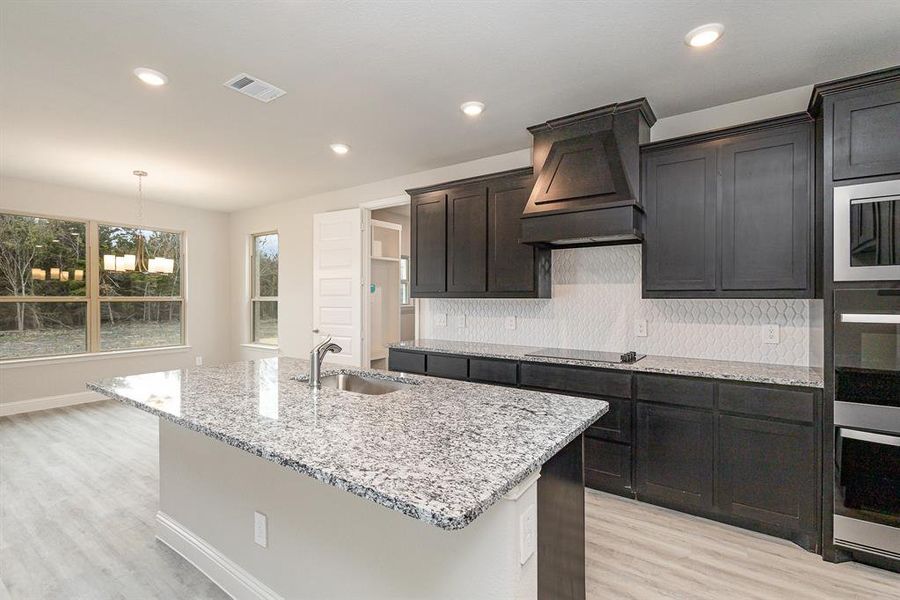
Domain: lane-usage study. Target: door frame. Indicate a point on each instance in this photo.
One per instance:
(367, 208)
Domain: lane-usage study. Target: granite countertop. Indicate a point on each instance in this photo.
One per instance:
(670, 365)
(440, 451)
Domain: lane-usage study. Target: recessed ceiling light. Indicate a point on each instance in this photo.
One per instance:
(473, 108)
(704, 35)
(151, 76)
(340, 148)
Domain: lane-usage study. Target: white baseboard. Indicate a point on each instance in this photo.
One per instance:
(48, 402)
(232, 578)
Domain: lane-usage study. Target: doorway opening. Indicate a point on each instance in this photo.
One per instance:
(391, 312)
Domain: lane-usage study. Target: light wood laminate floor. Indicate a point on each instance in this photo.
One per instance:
(78, 496)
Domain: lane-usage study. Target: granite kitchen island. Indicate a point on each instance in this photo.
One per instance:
(442, 489)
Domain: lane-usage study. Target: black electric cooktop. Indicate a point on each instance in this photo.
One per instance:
(587, 355)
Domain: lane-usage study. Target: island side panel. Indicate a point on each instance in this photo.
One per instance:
(324, 542)
(560, 498)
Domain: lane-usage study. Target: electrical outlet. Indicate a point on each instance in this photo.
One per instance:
(527, 534)
(772, 334)
(640, 328)
(260, 530)
(510, 323)
(440, 320)
(198, 360)
(460, 321)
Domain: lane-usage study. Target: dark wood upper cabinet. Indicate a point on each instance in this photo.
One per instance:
(467, 239)
(428, 243)
(469, 247)
(766, 196)
(679, 195)
(512, 266)
(731, 213)
(865, 127)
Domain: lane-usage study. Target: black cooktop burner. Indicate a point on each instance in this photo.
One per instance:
(587, 355)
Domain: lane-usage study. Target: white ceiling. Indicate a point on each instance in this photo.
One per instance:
(385, 77)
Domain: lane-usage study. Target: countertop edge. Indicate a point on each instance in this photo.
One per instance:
(449, 522)
(630, 367)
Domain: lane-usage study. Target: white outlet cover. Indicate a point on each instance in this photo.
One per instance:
(260, 530)
(460, 321)
(772, 334)
(198, 360)
(527, 534)
(510, 323)
(440, 319)
(640, 328)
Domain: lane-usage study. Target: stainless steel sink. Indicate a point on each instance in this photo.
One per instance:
(369, 386)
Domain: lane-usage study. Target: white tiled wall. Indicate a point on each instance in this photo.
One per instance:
(597, 299)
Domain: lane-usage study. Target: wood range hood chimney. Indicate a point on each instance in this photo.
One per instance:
(587, 187)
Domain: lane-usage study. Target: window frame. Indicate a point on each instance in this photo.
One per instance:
(92, 298)
(254, 286)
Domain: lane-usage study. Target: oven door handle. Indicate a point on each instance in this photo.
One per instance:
(874, 438)
(871, 318)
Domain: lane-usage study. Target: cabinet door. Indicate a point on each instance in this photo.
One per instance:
(675, 455)
(428, 241)
(766, 472)
(765, 209)
(511, 265)
(866, 125)
(467, 239)
(679, 196)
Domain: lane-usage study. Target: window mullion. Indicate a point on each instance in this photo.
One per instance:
(93, 260)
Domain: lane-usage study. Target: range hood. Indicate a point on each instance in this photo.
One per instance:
(588, 178)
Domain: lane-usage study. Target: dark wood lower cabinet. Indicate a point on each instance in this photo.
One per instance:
(607, 466)
(674, 458)
(742, 453)
(766, 472)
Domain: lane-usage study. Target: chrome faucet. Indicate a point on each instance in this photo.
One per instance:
(316, 356)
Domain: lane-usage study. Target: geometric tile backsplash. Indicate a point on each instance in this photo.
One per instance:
(597, 300)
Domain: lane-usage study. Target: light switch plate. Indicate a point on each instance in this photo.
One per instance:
(772, 334)
(440, 319)
(527, 534)
(640, 328)
(260, 529)
(510, 323)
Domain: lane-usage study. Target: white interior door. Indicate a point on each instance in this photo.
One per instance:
(337, 276)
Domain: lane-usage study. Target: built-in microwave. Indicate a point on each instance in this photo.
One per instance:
(867, 232)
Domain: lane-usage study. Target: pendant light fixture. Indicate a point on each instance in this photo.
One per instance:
(138, 261)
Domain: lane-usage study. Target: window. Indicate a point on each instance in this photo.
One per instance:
(140, 288)
(264, 288)
(405, 300)
(59, 298)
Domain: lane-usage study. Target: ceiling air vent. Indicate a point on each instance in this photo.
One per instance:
(253, 87)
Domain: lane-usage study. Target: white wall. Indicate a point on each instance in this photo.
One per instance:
(293, 221)
(207, 288)
(780, 103)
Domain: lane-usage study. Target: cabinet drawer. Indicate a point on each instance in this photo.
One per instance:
(451, 367)
(572, 379)
(793, 405)
(406, 362)
(676, 390)
(493, 371)
(615, 425)
(607, 466)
